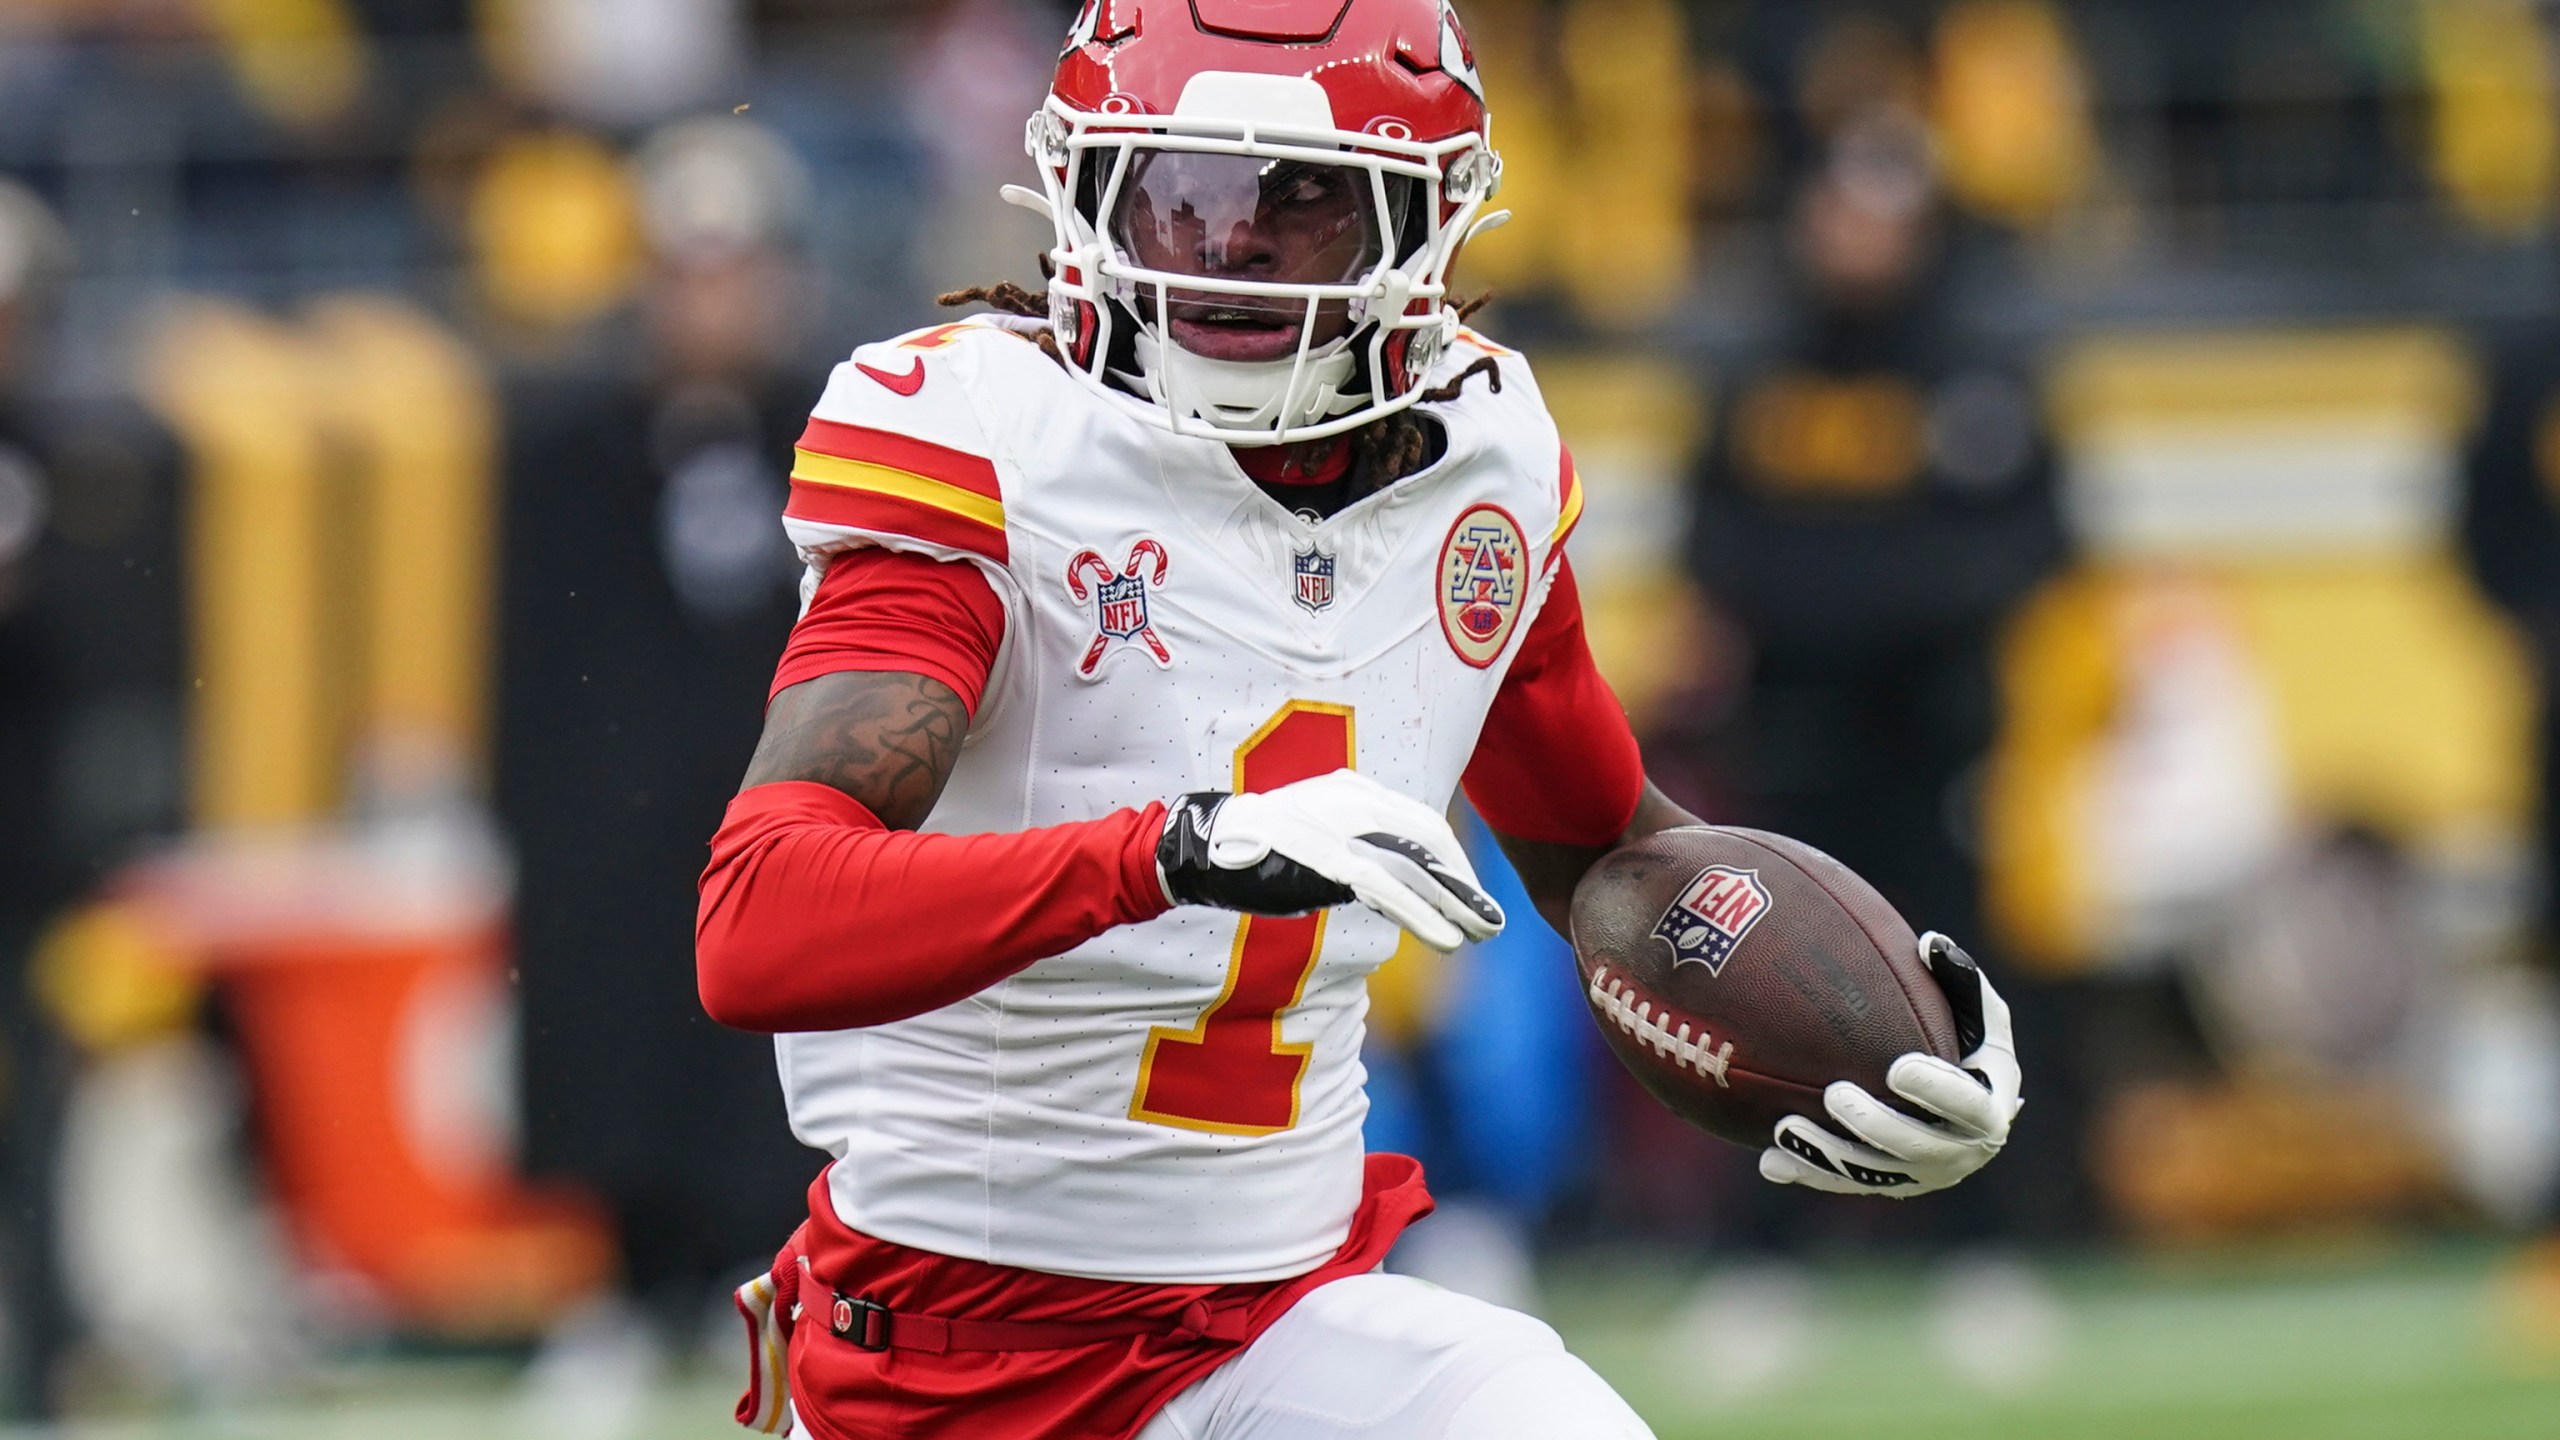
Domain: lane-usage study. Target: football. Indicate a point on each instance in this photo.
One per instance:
(1738, 973)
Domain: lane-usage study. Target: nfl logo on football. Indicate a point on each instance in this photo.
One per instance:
(1710, 918)
(1124, 607)
(1315, 579)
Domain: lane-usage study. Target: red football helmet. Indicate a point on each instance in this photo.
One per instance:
(1257, 203)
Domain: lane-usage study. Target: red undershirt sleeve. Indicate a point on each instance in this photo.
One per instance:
(890, 610)
(1557, 760)
(815, 916)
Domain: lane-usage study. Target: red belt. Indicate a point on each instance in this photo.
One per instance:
(869, 1325)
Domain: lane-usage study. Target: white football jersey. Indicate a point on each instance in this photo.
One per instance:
(1176, 1101)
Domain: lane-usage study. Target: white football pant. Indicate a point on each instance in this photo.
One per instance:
(1389, 1357)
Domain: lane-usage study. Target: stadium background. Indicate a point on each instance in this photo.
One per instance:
(2094, 467)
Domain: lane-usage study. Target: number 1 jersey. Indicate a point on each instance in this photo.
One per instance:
(1179, 1100)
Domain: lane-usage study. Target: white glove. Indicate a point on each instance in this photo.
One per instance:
(1892, 1153)
(1326, 841)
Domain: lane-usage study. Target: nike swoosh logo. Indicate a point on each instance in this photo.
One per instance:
(906, 384)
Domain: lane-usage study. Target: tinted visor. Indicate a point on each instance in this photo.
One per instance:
(1244, 217)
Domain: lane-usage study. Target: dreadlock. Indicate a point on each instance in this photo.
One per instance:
(1004, 295)
(1383, 452)
(1007, 298)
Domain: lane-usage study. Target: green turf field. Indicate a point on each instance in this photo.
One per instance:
(2411, 1348)
(2337, 1348)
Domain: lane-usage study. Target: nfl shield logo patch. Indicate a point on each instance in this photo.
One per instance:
(1708, 921)
(1118, 595)
(1315, 579)
(1124, 607)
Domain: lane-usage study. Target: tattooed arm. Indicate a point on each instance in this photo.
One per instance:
(886, 738)
(822, 908)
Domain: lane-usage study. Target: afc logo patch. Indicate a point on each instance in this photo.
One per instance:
(1315, 579)
(1119, 600)
(1483, 581)
(1710, 918)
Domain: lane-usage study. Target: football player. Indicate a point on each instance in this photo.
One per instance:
(1150, 629)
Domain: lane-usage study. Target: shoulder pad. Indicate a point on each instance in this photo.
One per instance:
(1472, 348)
(895, 448)
(1516, 419)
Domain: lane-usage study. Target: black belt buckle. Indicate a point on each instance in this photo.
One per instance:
(862, 1323)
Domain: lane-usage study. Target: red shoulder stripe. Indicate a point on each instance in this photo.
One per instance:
(895, 515)
(974, 473)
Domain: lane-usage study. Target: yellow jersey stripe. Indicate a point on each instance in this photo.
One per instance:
(846, 474)
(1572, 510)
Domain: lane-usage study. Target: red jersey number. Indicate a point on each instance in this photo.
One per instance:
(1231, 1073)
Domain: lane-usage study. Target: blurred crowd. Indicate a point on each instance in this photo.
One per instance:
(2094, 467)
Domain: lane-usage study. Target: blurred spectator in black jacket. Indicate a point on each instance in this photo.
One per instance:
(648, 592)
(89, 735)
(1877, 499)
(2511, 526)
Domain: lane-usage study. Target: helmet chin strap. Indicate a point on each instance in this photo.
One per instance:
(1229, 394)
